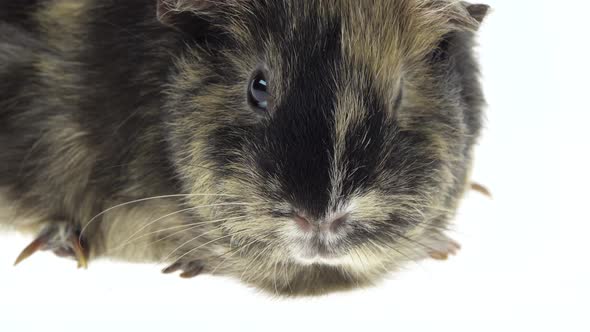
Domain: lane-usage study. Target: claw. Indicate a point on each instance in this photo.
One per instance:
(65, 246)
(481, 189)
(80, 253)
(32, 248)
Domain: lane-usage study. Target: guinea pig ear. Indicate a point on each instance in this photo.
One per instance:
(477, 11)
(462, 15)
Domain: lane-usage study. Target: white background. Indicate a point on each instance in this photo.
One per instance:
(524, 264)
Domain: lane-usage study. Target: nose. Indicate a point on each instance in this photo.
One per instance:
(330, 224)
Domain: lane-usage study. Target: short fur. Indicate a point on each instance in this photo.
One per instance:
(376, 110)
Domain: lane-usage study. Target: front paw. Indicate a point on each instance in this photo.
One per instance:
(189, 269)
(63, 239)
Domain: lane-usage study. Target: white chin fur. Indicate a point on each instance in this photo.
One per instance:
(337, 261)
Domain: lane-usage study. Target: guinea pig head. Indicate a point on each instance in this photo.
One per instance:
(330, 138)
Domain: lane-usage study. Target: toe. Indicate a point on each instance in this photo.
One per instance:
(439, 256)
(444, 249)
(189, 269)
(192, 271)
(172, 268)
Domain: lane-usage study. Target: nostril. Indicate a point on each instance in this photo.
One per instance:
(327, 225)
(338, 222)
(303, 223)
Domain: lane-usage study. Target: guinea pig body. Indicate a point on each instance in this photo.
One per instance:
(301, 146)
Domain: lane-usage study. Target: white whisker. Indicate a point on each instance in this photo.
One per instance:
(235, 251)
(252, 262)
(191, 240)
(185, 210)
(274, 274)
(185, 227)
(199, 247)
(143, 200)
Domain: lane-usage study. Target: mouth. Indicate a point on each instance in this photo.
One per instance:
(321, 260)
(322, 256)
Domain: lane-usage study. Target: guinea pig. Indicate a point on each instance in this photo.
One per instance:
(302, 147)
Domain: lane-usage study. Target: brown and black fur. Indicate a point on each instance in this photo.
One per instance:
(376, 106)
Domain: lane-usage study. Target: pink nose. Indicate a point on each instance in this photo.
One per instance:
(331, 225)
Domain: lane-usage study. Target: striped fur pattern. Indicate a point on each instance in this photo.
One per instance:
(106, 106)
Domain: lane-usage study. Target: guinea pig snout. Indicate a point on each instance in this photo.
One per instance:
(320, 240)
(326, 225)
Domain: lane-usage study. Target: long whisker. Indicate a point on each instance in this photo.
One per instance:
(193, 227)
(252, 262)
(383, 243)
(413, 241)
(274, 274)
(143, 200)
(260, 266)
(189, 241)
(233, 252)
(185, 228)
(185, 210)
(201, 246)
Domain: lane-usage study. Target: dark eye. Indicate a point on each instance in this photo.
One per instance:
(258, 94)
